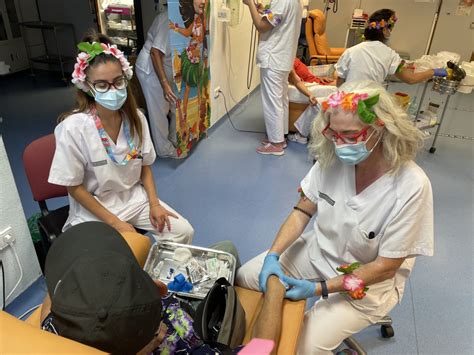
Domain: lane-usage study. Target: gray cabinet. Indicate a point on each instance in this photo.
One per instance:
(12, 47)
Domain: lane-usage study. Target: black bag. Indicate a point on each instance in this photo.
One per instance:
(220, 318)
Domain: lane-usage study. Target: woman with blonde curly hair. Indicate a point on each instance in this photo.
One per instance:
(374, 209)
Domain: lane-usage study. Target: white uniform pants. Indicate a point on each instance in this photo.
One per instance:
(329, 321)
(162, 131)
(274, 88)
(181, 230)
(304, 123)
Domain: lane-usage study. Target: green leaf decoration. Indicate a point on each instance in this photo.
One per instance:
(371, 101)
(93, 49)
(365, 114)
(84, 47)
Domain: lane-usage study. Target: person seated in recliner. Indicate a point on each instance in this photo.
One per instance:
(299, 77)
(99, 295)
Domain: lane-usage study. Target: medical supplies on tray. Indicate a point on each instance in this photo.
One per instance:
(182, 267)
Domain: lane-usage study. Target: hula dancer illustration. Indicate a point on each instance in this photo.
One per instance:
(193, 69)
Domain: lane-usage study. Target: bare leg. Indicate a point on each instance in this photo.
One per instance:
(268, 324)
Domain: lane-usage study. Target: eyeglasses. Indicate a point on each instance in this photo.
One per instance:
(104, 86)
(351, 138)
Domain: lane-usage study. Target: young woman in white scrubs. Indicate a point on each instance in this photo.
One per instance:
(279, 26)
(104, 151)
(374, 208)
(155, 73)
(374, 60)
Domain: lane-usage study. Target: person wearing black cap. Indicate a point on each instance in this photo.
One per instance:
(99, 295)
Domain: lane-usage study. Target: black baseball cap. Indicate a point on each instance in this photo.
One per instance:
(100, 296)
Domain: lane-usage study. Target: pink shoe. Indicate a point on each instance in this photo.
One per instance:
(270, 149)
(265, 141)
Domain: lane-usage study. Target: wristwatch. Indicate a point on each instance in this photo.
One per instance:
(324, 290)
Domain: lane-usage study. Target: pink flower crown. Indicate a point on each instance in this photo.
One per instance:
(88, 52)
(359, 103)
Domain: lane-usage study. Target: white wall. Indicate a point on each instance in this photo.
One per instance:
(12, 215)
(413, 27)
(229, 58)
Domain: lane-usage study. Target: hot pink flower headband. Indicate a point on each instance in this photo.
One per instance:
(89, 52)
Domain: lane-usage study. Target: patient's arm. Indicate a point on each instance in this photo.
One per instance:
(45, 307)
(268, 324)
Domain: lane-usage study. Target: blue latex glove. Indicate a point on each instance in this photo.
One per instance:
(299, 289)
(271, 266)
(440, 72)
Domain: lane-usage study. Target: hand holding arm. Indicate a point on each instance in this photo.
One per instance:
(290, 230)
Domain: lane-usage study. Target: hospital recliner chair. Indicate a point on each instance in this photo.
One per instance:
(319, 50)
(13, 332)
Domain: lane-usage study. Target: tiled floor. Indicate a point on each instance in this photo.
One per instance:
(227, 191)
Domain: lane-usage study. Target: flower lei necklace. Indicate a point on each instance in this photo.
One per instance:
(133, 153)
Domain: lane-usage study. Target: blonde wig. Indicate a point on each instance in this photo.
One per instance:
(401, 139)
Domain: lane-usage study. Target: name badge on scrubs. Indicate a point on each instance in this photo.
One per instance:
(326, 198)
(99, 163)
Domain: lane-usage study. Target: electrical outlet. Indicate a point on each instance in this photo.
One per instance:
(217, 92)
(6, 237)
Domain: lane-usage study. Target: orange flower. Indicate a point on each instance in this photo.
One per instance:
(357, 294)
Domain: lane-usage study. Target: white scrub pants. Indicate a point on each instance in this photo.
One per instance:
(274, 88)
(181, 230)
(304, 123)
(162, 131)
(328, 322)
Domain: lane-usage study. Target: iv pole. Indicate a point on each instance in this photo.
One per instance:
(427, 50)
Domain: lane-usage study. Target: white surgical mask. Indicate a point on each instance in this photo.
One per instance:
(112, 99)
(353, 154)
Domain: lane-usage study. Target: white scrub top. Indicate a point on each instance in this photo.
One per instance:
(392, 218)
(157, 37)
(277, 47)
(369, 60)
(80, 158)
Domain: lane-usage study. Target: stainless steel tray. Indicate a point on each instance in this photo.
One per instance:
(445, 86)
(163, 252)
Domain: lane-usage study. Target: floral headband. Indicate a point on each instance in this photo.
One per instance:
(359, 103)
(88, 52)
(382, 24)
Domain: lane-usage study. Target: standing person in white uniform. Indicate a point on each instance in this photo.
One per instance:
(155, 73)
(279, 26)
(374, 60)
(374, 216)
(104, 150)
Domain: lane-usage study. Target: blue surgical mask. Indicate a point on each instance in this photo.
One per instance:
(112, 99)
(353, 154)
